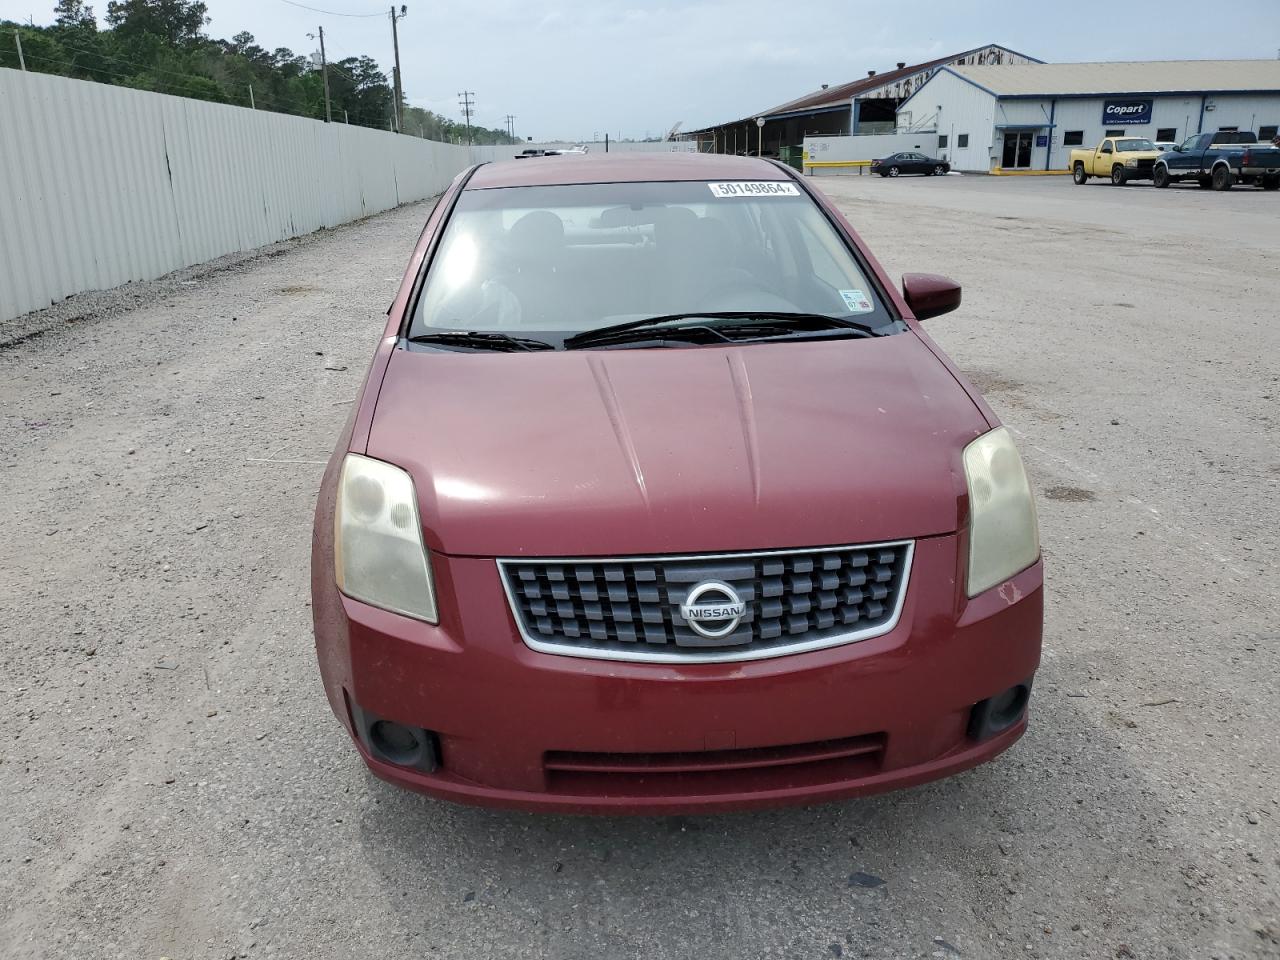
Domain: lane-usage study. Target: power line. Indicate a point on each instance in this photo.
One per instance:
(187, 84)
(273, 103)
(329, 13)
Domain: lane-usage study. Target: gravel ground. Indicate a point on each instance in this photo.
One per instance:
(173, 785)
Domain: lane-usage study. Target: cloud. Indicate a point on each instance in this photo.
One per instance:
(571, 67)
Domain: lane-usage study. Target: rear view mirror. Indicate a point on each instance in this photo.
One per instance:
(623, 217)
(929, 295)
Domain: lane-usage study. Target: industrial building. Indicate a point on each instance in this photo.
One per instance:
(866, 105)
(1022, 118)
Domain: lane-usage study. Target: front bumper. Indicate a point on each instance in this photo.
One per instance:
(506, 716)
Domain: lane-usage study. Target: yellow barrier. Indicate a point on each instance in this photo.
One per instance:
(837, 163)
(995, 171)
(999, 172)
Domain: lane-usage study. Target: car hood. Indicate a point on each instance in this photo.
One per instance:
(677, 450)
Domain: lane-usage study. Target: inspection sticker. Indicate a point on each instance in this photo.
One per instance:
(856, 301)
(755, 188)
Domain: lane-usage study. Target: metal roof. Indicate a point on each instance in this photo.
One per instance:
(1153, 76)
(841, 96)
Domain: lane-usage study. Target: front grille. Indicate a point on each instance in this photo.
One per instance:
(630, 609)
(1146, 166)
(714, 771)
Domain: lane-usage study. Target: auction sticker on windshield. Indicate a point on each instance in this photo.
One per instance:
(754, 188)
(856, 301)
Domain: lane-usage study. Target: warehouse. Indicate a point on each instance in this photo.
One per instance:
(1025, 118)
(865, 105)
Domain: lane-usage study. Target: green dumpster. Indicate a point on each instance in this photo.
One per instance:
(792, 157)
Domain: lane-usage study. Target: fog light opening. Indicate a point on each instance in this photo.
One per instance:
(398, 743)
(997, 714)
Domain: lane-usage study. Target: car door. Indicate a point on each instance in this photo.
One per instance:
(1187, 156)
(1102, 158)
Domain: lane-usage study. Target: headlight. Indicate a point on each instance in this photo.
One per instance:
(378, 552)
(1132, 162)
(1003, 535)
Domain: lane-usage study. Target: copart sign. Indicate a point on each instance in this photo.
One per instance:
(1126, 112)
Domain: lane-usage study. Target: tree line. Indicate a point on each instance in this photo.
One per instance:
(161, 45)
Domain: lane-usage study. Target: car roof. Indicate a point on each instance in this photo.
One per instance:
(622, 167)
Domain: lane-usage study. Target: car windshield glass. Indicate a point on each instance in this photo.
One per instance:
(550, 261)
(1124, 146)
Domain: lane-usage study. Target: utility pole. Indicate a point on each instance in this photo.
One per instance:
(324, 70)
(467, 102)
(17, 38)
(511, 125)
(252, 105)
(395, 42)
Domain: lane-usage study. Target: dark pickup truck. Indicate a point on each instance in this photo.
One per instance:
(1220, 160)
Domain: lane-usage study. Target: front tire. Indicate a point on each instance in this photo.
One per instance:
(894, 171)
(1117, 175)
(1223, 179)
(939, 170)
(1078, 174)
(1160, 177)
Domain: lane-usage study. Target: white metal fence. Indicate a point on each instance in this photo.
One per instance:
(836, 156)
(507, 152)
(101, 185)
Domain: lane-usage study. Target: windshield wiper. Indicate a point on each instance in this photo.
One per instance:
(755, 322)
(481, 340)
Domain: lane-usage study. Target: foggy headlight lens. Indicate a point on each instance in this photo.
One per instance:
(1004, 537)
(379, 556)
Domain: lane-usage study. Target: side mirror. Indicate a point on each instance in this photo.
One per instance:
(929, 295)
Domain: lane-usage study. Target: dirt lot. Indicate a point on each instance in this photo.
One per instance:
(172, 783)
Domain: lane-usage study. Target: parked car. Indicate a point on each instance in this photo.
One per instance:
(1220, 160)
(901, 163)
(657, 498)
(1120, 159)
(553, 152)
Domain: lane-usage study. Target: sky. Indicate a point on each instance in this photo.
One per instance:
(572, 69)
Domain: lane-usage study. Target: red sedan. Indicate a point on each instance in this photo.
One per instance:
(658, 499)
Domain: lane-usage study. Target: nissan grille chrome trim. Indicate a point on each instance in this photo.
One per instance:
(645, 653)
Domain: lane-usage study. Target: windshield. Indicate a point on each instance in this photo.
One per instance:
(550, 261)
(1124, 146)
